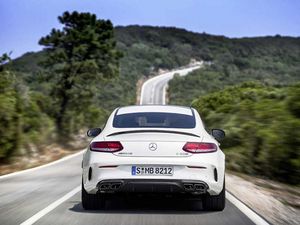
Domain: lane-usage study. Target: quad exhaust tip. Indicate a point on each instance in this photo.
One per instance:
(200, 188)
(110, 186)
(188, 187)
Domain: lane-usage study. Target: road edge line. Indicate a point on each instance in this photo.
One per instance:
(250, 213)
(165, 94)
(51, 207)
(42, 166)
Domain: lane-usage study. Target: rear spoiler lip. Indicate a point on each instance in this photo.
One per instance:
(151, 131)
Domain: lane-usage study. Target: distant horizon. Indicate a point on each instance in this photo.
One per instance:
(204, 32)
(25, 22)
(220, 35)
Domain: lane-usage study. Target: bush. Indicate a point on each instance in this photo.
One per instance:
(263, 136)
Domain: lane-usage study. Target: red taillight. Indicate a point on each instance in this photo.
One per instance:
(199, 147)
(106, 146)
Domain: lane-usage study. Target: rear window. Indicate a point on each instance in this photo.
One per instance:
(154, 119)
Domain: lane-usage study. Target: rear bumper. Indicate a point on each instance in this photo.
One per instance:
(202, 168)
(152, 186)
(119, 179)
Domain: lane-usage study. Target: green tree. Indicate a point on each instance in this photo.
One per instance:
(4, 59)
(10, 109)
(78, 56)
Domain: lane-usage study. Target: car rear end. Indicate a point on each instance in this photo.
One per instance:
(154, 156)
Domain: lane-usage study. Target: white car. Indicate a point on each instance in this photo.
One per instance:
(156, 149)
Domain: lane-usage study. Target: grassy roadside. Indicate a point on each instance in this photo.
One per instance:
(45, 154)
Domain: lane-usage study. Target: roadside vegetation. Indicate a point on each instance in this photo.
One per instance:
(54, 102)
(22, 115)
(262, 126)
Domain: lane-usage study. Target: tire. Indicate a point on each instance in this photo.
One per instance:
(91, 201)
(215, 202)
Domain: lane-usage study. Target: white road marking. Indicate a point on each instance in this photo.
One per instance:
(50, 207)
(164, 94)
(152, 94)
(142, 91)
(253, 216)
(42, 166)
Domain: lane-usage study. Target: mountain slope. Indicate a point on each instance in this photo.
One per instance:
(273, 60)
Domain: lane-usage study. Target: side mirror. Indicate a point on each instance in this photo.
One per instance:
(218, 134)
(93, 132)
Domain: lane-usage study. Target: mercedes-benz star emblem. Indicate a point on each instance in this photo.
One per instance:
(152, 146)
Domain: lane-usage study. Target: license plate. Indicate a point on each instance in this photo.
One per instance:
(152, 170)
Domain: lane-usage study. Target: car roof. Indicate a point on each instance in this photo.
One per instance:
(155, 108)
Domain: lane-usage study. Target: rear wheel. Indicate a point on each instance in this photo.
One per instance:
(91, 201)
(215, 202)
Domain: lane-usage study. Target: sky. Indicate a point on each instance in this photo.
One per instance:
(24, 22)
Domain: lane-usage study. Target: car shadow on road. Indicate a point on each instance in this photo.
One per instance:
(146, 205)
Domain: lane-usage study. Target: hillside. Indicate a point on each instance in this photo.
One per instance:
(145, 50)
(272, 60)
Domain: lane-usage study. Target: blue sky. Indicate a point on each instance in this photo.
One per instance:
(23, 22)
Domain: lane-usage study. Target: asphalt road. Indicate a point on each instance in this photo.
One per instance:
(25, 194)
(51, 195)
(153, 90)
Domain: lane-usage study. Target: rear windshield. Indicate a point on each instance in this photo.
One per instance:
(154, 119)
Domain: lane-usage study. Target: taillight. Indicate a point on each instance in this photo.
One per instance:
(106, 146)
(199, 147)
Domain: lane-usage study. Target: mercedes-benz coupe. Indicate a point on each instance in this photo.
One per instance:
(154, 149)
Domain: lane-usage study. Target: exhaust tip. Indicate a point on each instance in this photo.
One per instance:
(188, 187)
(115, 186)
(110, 186)
(199, 188)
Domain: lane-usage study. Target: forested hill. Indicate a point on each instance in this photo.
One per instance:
(177, 45)
(273, 60)
(167, 47)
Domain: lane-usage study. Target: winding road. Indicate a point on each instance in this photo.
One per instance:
(154, 89)
(50, 194)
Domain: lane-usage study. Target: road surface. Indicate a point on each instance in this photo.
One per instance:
(154, 90)
(51, 194)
